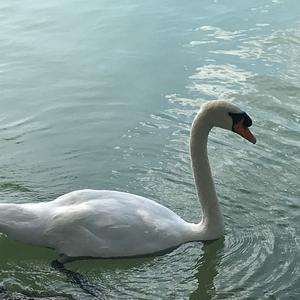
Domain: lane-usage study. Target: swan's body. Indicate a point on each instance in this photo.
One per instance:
(115, 224)
(98, 223)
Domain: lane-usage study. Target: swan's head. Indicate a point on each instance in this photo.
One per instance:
(228, 116)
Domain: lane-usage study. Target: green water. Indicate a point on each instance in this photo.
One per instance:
(101, 94)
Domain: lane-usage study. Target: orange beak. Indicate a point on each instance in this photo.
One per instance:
(244, 131)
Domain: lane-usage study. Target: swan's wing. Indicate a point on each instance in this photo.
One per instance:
(68, 228)
(116, 225)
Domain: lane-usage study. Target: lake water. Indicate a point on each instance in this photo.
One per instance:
(101, 94)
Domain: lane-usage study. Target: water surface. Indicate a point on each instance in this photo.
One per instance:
(102, 94)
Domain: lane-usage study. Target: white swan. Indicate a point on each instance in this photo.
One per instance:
(99, 223)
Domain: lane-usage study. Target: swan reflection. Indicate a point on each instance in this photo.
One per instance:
(207, 269)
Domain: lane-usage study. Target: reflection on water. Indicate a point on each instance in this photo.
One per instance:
(207, 269)
(221, 81)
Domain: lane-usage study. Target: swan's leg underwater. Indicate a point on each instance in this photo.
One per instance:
(77, 278)
(62, 258)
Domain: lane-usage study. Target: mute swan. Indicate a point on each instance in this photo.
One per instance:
(100, 223)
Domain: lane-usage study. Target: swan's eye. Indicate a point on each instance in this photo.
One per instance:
(240, 123)
(237, 117)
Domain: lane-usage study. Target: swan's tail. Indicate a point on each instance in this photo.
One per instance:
(8, 212)
(19, 222)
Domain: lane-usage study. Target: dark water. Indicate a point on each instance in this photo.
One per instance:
(101, 95)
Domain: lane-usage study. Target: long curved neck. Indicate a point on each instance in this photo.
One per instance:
(211, 224)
